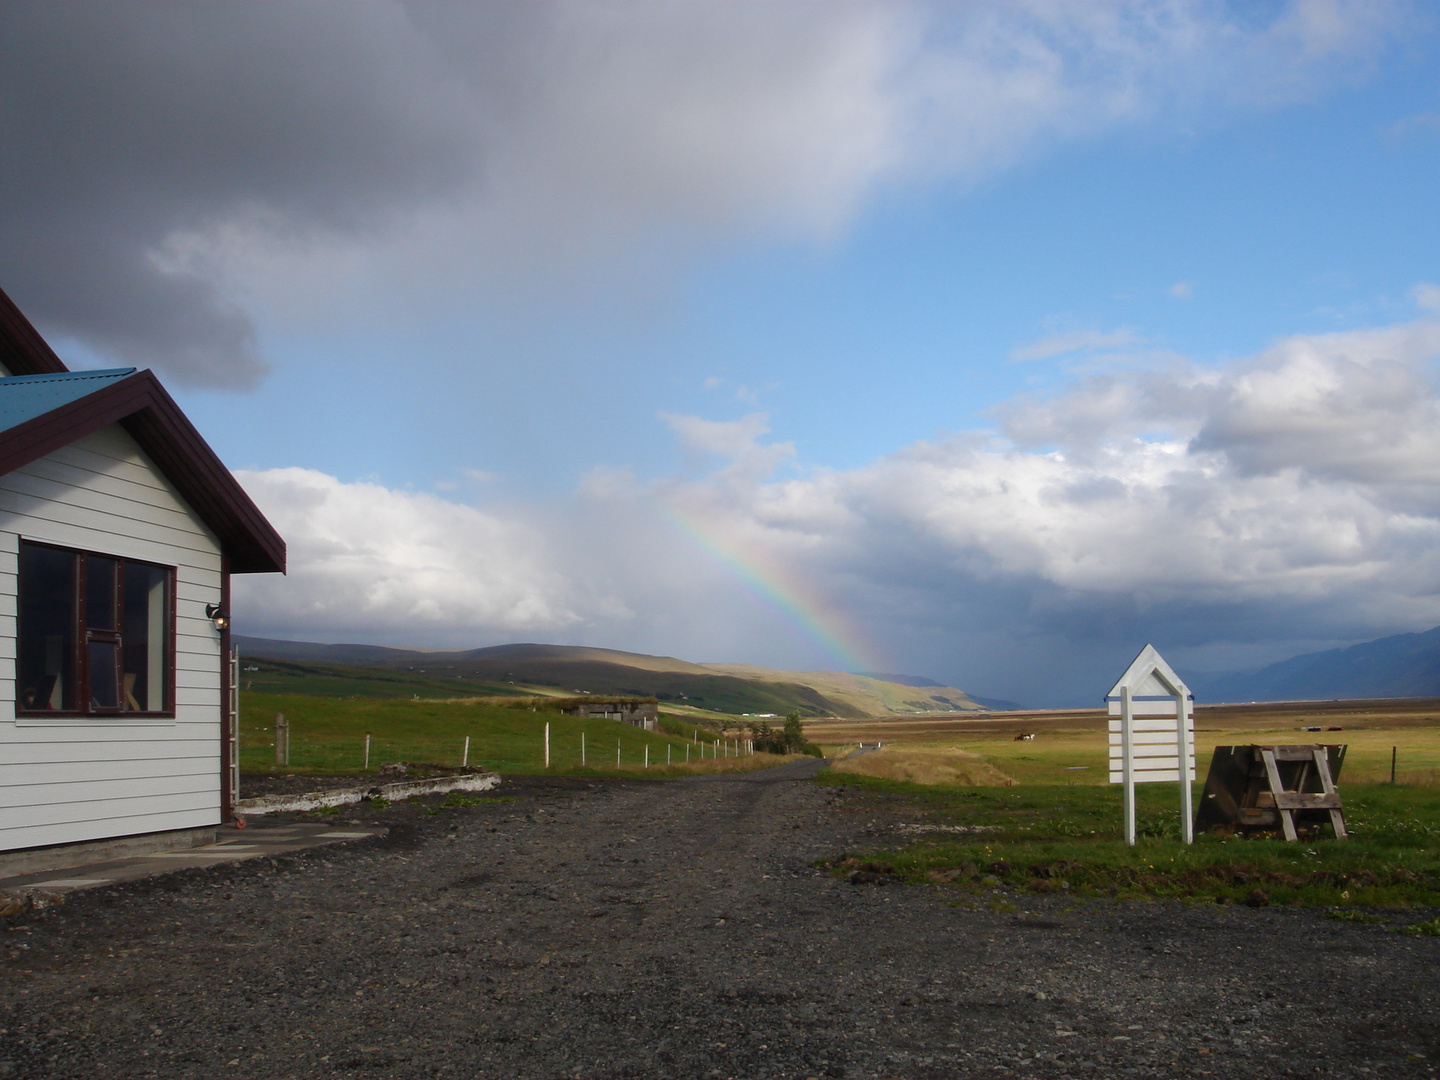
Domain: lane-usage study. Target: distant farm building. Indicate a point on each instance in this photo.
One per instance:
(642, 712)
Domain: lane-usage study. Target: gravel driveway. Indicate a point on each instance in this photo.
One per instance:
(652, 929)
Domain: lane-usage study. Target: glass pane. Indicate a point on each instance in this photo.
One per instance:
(146, 614)
(45, 652)
(99, 593)
(104, 674)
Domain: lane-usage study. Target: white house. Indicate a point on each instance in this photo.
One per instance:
(119, 530)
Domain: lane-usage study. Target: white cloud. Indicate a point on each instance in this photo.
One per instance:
(1427, 297)
(1181, 290)
(1355, 407)
(735, 441)
(1294, 496)
(727, 438)
(1074, 341)
(367, 560)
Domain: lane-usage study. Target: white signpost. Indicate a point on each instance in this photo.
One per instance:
(1154, 738)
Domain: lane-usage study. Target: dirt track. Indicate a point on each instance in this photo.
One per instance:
(638, 929)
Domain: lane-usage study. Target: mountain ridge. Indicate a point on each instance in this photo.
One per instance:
(1401, 665)
(571, 669)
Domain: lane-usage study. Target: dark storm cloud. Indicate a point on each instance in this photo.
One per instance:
(123, 125)
(173, 172)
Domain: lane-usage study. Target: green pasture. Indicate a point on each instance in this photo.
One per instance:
(1071, 757)
(1049, 838)
(327, 735)
(263, 676)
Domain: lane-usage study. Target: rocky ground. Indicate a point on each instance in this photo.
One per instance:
(678, 929)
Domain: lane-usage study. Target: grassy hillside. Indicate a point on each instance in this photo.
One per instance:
(264, 676)
(863, 695)
(340, 670)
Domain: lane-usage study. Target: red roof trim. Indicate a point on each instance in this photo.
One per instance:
(151, 416)
(22, 350)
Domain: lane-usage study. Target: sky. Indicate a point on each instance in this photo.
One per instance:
(979, 341)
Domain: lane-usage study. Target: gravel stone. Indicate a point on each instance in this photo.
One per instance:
(633, 929)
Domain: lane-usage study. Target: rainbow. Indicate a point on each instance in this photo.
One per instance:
(783, 591)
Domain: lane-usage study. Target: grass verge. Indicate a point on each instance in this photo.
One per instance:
(1049, 839)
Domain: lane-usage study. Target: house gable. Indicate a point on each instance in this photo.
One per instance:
(141, 405)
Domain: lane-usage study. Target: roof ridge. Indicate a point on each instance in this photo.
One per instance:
(67, 376)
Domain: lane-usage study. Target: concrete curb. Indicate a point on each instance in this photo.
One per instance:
(399, 789)
(89, 851)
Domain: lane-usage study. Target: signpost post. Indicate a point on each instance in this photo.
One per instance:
(1153, 739)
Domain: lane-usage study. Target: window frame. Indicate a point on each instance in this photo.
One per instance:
(82, 635)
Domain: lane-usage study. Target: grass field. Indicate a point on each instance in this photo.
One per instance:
(327, 735)
(1070, 748)
(1046, 839)
(1048, 820)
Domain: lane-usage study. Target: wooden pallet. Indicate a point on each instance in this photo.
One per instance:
(1259, 787)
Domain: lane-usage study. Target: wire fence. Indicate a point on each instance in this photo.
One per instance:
(594, 747)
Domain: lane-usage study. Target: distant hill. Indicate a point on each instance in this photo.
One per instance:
(903, 680)
(1405, 665)
(996, 704)
(919, 681)
(567, 670)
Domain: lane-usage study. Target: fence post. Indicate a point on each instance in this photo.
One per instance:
(647, 755)
(367, 750)
(547, 744)
(617, 753)
(282, 738)
(465, 760)
(582, 748)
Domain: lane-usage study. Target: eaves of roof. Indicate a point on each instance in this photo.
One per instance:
(141, 405)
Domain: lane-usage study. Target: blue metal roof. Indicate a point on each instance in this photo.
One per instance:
(24, 397)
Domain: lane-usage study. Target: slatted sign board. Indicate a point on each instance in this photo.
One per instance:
(1148, 705)
(1154, 739)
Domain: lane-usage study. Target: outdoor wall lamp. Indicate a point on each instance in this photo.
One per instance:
(219, 616)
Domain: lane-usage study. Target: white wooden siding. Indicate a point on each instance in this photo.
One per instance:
(70, 779)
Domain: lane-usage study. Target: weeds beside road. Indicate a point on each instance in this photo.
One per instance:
(681, 929)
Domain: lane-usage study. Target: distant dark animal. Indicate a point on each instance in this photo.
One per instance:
(1023, 737)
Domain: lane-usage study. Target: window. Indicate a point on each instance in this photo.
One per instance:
(96, 634)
